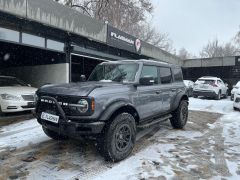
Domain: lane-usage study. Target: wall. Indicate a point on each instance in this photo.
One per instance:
(210, 62)
(40, 75)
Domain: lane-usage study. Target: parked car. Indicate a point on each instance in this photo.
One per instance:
(189, 85)
(210, 87)
(235, 88)
(15, 95)
(117, 98)
(236, 101)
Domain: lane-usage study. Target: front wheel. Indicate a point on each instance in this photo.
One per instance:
(54, 135)
(180, 115)
(118, 140)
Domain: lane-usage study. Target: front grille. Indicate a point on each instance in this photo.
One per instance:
(52, 108)
(28, 97)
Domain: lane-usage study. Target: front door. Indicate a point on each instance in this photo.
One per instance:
(149, 100)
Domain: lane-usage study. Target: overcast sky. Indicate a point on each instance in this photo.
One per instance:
(191, 23)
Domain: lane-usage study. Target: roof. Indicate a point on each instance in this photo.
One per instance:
(144, 61)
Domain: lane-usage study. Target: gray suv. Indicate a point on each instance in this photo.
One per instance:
(117, 99)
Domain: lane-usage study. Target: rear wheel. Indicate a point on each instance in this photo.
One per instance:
(180, 115)
(118, 140)
(54, 135)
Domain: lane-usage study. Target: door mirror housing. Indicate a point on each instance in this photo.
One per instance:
(146, 81)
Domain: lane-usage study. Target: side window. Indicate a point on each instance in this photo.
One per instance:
(177, 72)
(150, 71)
(166, 75)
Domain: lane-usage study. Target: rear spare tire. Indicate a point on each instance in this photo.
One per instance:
(119, 138)
(180, 115)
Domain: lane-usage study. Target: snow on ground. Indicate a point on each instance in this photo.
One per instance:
(144, 165)
(207, 148)
(21, 134)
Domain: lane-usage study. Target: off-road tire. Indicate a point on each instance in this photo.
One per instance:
(180, 115)
(108, 144)
(54, 135)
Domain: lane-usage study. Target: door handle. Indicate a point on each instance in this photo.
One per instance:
(158, 92)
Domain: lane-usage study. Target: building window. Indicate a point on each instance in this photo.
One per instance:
(55, 45)
(9, 35)
(33, 40)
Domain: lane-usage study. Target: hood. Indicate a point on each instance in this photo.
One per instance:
(76, 89)
(17, 90)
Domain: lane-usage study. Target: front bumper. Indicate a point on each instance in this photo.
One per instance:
(204, 93)
(70, 127)
(16, 106)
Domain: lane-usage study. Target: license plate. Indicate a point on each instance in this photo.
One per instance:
(49, 117)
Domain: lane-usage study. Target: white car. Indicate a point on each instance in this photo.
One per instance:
(15, 95)
(189, 85)
(236, 103)
(235, 88)
(210, 87)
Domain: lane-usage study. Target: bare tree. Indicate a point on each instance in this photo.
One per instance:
(214, 49)
(126, 15)
(184, 54)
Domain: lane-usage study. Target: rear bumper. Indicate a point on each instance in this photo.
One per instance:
(205, 93)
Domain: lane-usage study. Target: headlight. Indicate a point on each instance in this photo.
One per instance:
(10, 97)
(82, 106)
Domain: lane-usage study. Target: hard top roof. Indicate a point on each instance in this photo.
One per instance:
(144, 61)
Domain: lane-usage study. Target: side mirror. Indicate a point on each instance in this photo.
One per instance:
(146, 81)
(82, 78)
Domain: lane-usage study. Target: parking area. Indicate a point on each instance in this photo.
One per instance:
(207, 148)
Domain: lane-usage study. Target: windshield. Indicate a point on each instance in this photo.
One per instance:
(206, 81)
(114, 72)
(5, 81)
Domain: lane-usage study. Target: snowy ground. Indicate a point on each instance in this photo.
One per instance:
(208, 148)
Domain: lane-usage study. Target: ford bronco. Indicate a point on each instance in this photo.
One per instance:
(117, 98)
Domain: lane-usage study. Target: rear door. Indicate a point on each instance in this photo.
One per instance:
(167, 90)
